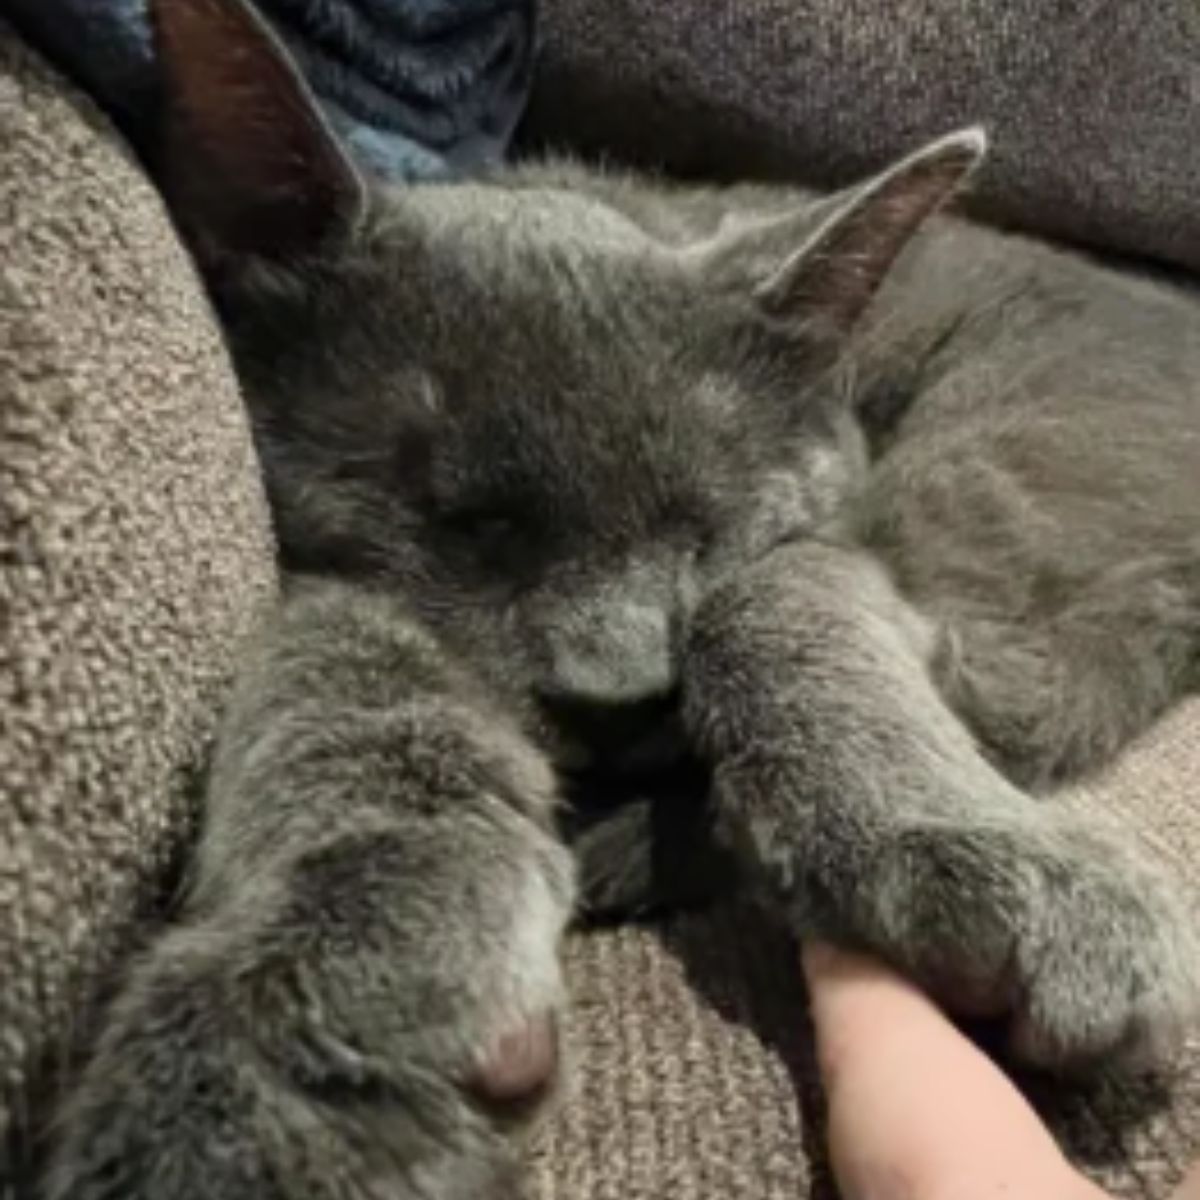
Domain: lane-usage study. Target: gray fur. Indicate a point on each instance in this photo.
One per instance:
(891, 547)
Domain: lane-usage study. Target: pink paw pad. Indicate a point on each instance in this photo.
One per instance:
(520, 1065)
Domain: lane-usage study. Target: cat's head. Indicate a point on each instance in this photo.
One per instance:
(550, 429)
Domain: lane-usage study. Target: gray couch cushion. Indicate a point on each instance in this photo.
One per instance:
(1093, 108)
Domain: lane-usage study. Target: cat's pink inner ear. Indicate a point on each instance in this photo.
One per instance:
(248, 162)
(838, 270)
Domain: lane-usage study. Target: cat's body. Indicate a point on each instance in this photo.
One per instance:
(575, 472)
(1034, 489)
(1034, 425)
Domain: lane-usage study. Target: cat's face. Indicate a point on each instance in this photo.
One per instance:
(549, 430)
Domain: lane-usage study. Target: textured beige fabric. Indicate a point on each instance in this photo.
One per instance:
(1154, 789)
(695, 1072)
(1092, 107)
(134, 553)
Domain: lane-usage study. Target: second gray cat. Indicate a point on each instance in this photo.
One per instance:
(881, 521)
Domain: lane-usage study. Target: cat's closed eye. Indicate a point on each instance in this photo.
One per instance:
(482, 526)
(491, 540)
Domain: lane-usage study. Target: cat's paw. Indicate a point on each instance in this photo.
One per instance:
(377, 1023)
(1088, 951)
(1000, 907)
(1108, 969)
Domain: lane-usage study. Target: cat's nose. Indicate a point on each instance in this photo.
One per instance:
(622, 657)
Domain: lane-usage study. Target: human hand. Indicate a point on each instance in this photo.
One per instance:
(916, 1111)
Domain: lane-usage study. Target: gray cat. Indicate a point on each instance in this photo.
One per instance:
(884, 520)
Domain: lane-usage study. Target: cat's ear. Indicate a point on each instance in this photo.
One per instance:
(248, 163)
(827, 261)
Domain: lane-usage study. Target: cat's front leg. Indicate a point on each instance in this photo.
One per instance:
(361, 997)
(859, 798)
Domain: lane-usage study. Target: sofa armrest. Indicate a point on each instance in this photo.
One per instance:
(135, 556)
